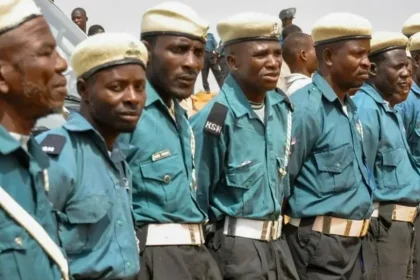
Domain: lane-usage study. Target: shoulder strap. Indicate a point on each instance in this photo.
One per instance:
(216, 119)
(35, 230)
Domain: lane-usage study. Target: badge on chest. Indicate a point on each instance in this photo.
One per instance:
(161, 155)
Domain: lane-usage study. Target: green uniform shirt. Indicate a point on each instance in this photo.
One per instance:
(328, 173)
(160, 155)
(387, 151)
(238, 165)
(23, 176)
(91, 191)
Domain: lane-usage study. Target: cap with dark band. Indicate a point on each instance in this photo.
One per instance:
(107, 50)
(15, 12)
(387, 41)
(338, 27)
(174, 18)
(414, 43)
(412, 25)
(249, 27)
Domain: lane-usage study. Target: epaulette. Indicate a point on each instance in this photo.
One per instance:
(53, 144)
(286, 99)
(216, 119)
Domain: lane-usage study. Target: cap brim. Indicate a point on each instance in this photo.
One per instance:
(98, 68)
(241, 40)
(172, 33)
(387, 49)
(340, 39)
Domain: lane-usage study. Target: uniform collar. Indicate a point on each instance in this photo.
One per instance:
(324, 87)
(238, 101)
(415, 88)
(78, 123)
(327, 91)
(10, 145)
(376, 96)
(153, 97)
(373, 92)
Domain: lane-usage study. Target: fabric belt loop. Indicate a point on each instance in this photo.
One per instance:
(326, 225)
(348, 228)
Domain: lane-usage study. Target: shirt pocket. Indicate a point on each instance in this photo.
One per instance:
(85, 223)
(162, 178)
(243, 186)
(390, 161)
(14, 257)
(336, 171)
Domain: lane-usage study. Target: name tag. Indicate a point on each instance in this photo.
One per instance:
(161, 155)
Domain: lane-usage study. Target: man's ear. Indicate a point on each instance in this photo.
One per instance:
(82, 89)
(232, 62)
(303, 55)
(4, 88)
(327, 55)
(373, 70)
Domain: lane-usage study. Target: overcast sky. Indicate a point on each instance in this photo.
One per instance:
(125, 15)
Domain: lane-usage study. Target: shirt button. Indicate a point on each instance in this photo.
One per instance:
(120, 222)
(338, 164)
(18, 241)
(128, 264)
(167, 179)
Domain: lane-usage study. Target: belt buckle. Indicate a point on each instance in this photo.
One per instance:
(365, 227)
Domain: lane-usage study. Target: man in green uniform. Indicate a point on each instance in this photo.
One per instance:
(32, 85)
(331, 189)
(389, 157)
(91, 182)
(243, 140)
(161, 150)
(409, 111)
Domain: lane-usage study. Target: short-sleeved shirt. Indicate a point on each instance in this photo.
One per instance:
(238, 170)
(410, 114)
(386, 148)
(91, 192)
(24, 176)
(328, 172)
(160, 154)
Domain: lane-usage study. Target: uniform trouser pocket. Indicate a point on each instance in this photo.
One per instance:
(393, 247)
(319, 256)
(248, 259)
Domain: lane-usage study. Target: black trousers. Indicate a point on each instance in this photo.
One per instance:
(320, 256)
(210, 63)
(391, 250)
(246, 259)
(175, 262)
(416, 255)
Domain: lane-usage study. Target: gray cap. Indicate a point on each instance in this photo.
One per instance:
(287, 13)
